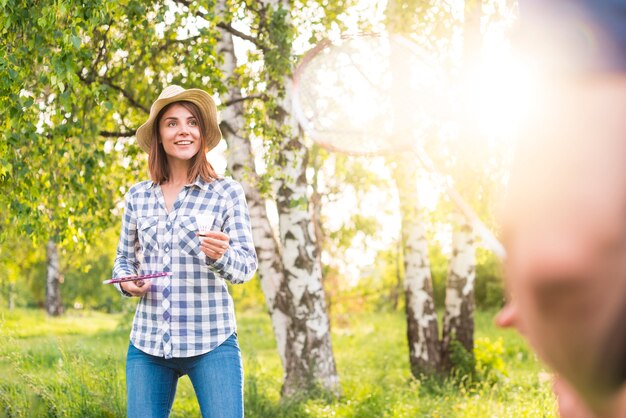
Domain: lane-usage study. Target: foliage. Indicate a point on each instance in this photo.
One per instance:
(431, 20)
(489, 281)
(248, 296)
(379, 289)
(380, 286)
(370, 349)
(489, 359)
(82, 279)
(489, 286)
(79, 80)
(485, 366)
(463, 362)
(61, 182)
(439, 273)
(21, 263)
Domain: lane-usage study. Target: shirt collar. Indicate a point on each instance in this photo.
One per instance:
(198, 182)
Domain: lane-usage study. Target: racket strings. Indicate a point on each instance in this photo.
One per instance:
(346, 94)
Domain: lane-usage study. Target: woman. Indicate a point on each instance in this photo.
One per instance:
(188, 222)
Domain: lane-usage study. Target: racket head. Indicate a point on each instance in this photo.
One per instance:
(136, 277)
(369, 94)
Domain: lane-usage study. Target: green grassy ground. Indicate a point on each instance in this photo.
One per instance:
(74, 367)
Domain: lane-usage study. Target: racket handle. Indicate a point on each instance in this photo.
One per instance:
(487, 237)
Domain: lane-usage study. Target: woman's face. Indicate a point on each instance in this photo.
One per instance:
(180, 133)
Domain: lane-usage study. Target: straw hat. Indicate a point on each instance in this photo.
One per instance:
(175, 93)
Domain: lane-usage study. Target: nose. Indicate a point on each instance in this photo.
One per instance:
(184, 129)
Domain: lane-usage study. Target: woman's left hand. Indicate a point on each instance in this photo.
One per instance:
(214, 244)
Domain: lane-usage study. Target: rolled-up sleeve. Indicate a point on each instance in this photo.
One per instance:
(239, 262)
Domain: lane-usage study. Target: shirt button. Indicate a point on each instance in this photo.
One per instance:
(169, 225)
(167, 249)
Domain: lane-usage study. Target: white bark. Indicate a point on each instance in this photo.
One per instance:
(310, 360)
(421, 317)
(241, 163)
(308, 357)
(54, 307)
(459, 316)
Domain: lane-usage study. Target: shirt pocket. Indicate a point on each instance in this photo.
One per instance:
(188, 240)
(148, 234)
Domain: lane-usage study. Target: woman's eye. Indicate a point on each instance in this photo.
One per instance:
(193, 123)
(171, 124)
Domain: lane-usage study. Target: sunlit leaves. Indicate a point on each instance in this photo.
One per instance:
(78, 79)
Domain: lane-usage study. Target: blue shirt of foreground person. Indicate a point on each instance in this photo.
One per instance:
(565, 215)
(188, 222)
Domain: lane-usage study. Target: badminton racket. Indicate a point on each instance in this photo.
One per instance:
(136, 277)
(373, 94)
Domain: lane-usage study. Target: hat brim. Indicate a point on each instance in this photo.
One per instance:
(199, 97)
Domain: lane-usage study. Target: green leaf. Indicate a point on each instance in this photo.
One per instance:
(75, 41)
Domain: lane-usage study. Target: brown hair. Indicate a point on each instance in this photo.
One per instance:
(157, 159)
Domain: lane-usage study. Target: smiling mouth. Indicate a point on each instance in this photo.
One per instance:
(183, 143)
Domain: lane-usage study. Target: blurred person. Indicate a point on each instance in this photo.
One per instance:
(564, 221)
(191, 223)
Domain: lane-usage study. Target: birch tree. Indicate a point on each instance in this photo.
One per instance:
(421, 316)
(309, 357)
(459, 312)
(431, 23)
(458, 323)
(242, 165)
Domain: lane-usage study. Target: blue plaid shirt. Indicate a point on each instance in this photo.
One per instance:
(190, 312)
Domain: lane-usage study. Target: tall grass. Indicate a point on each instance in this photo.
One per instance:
(74, 367)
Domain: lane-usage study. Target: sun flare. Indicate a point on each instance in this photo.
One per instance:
(502, 93)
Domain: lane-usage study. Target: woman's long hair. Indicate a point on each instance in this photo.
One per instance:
(157, 158)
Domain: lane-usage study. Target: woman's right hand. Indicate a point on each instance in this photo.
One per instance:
(136, 287)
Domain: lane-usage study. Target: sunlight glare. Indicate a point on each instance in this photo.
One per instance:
(501, 93)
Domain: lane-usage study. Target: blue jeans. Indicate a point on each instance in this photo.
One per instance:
(217, 379)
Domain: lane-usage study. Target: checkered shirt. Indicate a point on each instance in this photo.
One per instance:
(190, 312)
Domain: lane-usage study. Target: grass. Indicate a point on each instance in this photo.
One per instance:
(74, 367)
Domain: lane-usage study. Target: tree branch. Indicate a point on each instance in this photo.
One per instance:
(170, 42)
(243, 99)
(227, 27)
(102, 49)
(125, 93)
(109, 134)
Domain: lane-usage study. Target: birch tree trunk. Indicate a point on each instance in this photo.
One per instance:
(309, 361)
(240, 161)
(459, 316)
(421, 317)
(11, 296)
(458, 321)
(309, 355)
(54, 307)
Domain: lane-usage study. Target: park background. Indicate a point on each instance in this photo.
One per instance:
(373, 297)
